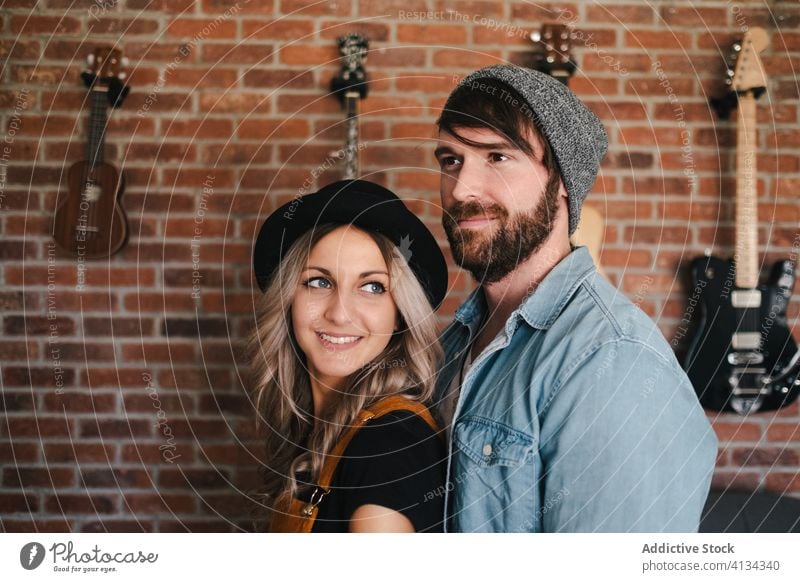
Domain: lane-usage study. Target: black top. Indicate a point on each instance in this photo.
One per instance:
(394, 461)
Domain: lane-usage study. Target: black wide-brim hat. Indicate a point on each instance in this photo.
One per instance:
(366, 205)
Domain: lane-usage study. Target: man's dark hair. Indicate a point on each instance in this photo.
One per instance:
(494, 105)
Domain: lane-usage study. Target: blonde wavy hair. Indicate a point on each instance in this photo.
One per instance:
(282, 386)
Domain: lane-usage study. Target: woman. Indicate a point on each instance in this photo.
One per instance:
(345, 354)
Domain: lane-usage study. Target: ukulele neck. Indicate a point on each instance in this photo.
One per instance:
(98, 119)
(351, 170)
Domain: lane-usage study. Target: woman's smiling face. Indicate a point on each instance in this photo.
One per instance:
(343, 314)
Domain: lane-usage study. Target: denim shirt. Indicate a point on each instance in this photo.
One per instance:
(576, 418)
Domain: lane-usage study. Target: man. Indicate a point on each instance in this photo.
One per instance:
(566, 409)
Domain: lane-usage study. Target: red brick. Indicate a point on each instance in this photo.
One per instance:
(300, 104)
(114, 429)
(118, 326)
(764, 457)
(283, 29)
(159, 302)
(272, 129)
(73, 402)
(465, 58)
(783, 432)
(149, 504)
(115, 478)
(17, 401)
(657, 185)
(737, 431)
(80, 453)
(14, 453)
(201, 28)
(30, 477)
(80, 503)
(38, 525)
(17, 503)
(187, 227)
(783, 482)
(18, 49)
(159, 352)
(17, 250)
(84, 351)
(692, 16)
(192, 478)
(230, 54)
(423, 33)
(49, 377)
(314, 7)
(98, 377)
(118, 526)
(32, 24)
(120, 26)
(620, 14)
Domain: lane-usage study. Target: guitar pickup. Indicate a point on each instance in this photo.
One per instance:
(748, 381)
(745, 358)
(746, 298)
(746, 340)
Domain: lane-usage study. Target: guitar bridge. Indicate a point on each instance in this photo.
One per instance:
(745, 358)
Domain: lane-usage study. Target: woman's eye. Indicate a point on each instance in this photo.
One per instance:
(318, 283)
(374, 287)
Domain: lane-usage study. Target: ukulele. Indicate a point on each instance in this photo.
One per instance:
(350, 86)
(90, 223)
(554, 59)
(742, 356)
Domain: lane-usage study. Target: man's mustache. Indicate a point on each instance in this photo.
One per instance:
(473, 209)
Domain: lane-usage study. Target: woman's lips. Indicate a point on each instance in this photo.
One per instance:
(338, 342)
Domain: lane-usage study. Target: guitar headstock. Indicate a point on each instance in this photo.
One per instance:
(747, 72)
(105, 63)
(353, 47)
(556, 43)
(106, 70)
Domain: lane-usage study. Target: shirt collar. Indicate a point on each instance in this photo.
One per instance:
(541, 308)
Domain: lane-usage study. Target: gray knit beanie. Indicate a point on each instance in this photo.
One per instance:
(576, 135)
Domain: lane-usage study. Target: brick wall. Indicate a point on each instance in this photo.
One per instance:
(123, 384)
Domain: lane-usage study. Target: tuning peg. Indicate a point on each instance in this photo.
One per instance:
(737, 47)
(535, 36)
(90, 59)
(124, 62)
(122, 75)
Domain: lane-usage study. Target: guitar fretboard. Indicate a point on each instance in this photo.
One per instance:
(746, 257)
(97, 126)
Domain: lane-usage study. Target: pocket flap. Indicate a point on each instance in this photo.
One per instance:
(490, 443)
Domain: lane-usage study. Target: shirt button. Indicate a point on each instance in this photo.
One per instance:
(487, 449)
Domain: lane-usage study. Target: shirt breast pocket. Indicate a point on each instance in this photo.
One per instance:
(495, 482)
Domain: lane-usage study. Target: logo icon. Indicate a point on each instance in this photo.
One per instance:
(31, 555)
(405, 248)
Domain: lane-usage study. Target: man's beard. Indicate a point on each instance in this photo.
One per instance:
(514, 241)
